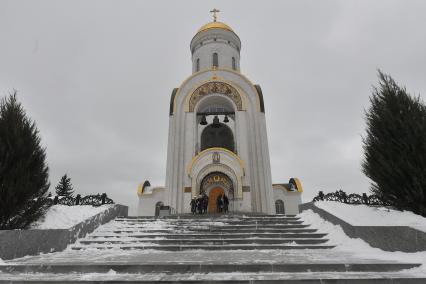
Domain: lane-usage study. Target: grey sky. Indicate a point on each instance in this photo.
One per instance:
(97, 78)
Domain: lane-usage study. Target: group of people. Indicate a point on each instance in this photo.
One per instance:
(199, 205)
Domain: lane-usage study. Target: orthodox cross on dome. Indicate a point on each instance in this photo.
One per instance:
(214, 11)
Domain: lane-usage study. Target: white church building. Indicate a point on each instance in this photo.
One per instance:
(217, 140)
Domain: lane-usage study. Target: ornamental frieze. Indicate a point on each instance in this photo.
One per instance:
(218, 179)
(215, 88)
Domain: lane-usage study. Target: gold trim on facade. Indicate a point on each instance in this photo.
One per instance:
(194, 159)
(298, 184)
(139, 190)
(215, 87)
(217, 70)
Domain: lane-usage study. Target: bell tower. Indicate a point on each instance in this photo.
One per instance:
(217, 139)
(217, 128)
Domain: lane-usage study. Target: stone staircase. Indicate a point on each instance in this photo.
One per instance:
(183, 233)
(206, 249)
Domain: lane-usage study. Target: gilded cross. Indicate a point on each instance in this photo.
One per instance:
(214, 11)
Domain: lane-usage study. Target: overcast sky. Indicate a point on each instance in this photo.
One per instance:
(97, 76)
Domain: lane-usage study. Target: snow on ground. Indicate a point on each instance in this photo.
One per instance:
(363, 215)
(211, 276)
(358, 247)
(64, 217)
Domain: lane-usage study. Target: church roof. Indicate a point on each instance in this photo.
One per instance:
(215, 25)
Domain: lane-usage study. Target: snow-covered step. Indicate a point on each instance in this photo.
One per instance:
(212, 217)
(213, 230)
(202, 222)
(205, 227)
(216, 241)
(213, 235)
(207, 267)
(222, 278)
(207, 247)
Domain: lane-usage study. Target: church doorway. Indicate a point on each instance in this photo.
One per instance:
(214, 185)
(213, 195)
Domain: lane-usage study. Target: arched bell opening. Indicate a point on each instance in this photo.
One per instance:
(216, 125)
(217, 135)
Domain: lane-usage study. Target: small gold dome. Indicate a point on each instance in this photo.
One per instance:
(215, 25)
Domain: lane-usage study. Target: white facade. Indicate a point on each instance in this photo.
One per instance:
(217, 139)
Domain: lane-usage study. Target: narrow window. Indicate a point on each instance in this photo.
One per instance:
(215, 60)
(197, 66)
(234, 64)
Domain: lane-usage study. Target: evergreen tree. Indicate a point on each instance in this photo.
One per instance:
(395, 146)
(23, 170)
(64, 187)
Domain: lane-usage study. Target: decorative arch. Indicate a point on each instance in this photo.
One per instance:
(215, 87)
(217, 168)
(190, 77)
(212, 150)
(216, 160)
(214, 179)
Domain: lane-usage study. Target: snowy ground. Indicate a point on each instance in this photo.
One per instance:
(64, 217)
(358, 247)
(363, 215)
(240, 276)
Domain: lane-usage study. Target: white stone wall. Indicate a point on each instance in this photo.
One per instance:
(225, 43)
(291, 200)
(147, 202)
(225, 53)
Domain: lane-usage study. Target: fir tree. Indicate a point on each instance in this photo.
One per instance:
(64, 187)
(23, 170)
(395, 146)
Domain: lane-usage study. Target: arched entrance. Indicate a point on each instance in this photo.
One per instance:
(214, 185)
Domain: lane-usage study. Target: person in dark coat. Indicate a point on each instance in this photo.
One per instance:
(193, 205)
(200, 204)
(205, 203)
(219, 204)
(225, 204)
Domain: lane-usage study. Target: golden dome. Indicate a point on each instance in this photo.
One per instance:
(215, 25)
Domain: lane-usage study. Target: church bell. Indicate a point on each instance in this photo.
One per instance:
(226, 119)
(203, 120)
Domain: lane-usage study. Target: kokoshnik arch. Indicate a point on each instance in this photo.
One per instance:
(217, 141)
